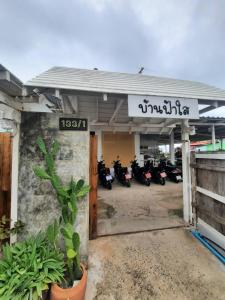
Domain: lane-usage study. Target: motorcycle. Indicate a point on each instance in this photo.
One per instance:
(158, 173)
(140, 173)
(104, 175)
(173, 173)
(121, 173)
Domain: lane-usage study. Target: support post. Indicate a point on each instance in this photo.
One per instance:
(172, 150)
(99, 148)
(213, 138)
(187, 196)
(14, 180)
(137, 146)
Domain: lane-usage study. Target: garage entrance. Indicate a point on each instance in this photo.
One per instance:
(140, 207)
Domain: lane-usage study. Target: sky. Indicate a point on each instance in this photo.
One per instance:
(180, 39)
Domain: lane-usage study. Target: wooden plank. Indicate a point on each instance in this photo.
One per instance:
(212, 180)
(1, 176)
(210, 194)
(211, 155)
(93, 191)
(210, 191)
(6, 163)
(5, 174)
(1, 158)
(8, 100)
(194, 198)
(211, 215)
(208, 167)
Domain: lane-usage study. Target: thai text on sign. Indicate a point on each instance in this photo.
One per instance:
(162, 107)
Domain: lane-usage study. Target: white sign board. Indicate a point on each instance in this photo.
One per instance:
(162, 107)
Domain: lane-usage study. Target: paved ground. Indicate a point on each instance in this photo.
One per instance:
(139, 207)
(166, 264)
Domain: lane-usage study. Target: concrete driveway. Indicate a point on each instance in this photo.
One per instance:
(139, 207)
(165, 264)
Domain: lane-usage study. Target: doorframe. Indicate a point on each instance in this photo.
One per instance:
(13, 118)
(186, 169)
(93, 179)
(14, 179)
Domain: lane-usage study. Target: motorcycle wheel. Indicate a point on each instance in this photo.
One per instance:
(162, 181)
(147, 182)
(109, 185)
(128, 184)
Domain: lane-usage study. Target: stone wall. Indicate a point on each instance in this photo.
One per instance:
(37, 204)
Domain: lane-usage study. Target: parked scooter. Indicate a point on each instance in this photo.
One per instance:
(121, 173)
(104, 175)
(172, 171)
(140, 173)
(158, 173)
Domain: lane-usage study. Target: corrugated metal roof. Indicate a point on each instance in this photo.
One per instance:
(123, 83)
(215, 113)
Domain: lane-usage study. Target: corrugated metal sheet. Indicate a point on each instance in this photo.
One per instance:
(122, 83)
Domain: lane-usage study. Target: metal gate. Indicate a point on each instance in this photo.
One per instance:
(208, 195)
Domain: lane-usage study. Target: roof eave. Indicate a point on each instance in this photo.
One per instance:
(9, 83)
(122, 92)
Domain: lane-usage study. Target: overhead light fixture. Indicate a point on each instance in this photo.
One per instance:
(36, 91)
(105, 97)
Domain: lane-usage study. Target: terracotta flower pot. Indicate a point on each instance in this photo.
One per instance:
(74, 293)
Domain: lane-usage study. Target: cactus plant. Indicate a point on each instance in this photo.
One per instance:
(68, 196)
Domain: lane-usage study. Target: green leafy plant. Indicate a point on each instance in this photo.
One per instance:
(28, 267)
(67, 196)
(6, 231)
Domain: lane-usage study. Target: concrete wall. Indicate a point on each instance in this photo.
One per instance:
(37, 204)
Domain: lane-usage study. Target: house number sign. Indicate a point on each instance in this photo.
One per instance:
(162, 107)
(73, 124)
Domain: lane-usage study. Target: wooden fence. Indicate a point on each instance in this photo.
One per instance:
(208, 197)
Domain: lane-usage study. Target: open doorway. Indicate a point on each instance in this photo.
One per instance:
(137, 208)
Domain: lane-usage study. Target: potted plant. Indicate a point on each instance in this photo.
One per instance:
(27, 268)
(68, 196)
